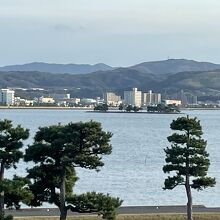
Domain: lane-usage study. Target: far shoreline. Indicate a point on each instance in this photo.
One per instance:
(44, 108)
(90, 109)
(139, 112)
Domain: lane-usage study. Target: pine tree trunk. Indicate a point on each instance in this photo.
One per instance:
(63, 214)
(2, 169)
(187, 183)
(63, 210)
(189, 197)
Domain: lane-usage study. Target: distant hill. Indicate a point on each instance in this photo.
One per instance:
(83, 85)
(58, 68)
(118, 80)
(172, 66)
(163, 67)
(159, 76)
(199, 82)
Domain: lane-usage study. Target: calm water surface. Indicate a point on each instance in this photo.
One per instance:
(133, 171)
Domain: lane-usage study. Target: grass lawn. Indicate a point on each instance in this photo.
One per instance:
(201, 216)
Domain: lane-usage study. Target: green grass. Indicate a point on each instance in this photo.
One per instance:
(169, 217)
(201, 216)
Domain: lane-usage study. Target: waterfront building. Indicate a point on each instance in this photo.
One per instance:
(151, 98)
(87, 101)
(99, 101)
(191, 99)
(186, 98)
(58, 97)
(46, 100)
(172, 102)
(7, 96)
(62, 103)
(29, 102)
(133, 97)
(68, 102)
(18, 101)
(111, 98)
(75, 101)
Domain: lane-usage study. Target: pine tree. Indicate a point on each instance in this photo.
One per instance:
(187, 159)
(11, 142)
(57, 150)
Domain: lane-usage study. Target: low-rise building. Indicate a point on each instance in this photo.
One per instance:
(58, 97)
(46, 100)
(29, 102)
(87, 101)
(62, 103)
(172, 102)
(99, 101)
(74, 101)
(19, 101)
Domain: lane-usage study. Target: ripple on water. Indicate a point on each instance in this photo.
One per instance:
(134, 169)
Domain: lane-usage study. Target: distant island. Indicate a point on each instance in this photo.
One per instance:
(158, 109)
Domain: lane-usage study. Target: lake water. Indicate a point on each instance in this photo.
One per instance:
(133, 171)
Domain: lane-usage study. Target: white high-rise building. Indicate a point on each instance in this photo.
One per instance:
(7, 96)
(133, 97)
(151, 98)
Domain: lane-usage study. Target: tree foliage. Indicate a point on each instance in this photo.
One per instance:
(130, 108)
(101, 108)
(46, 179)
(56, 151)
(11, 142)
(187, 158)
(121, 107)
(104, 205)
(17, 191)
(161, 108)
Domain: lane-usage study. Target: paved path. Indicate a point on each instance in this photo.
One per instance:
(122, 210)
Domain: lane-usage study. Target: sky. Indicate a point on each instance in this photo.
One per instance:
(115, 32)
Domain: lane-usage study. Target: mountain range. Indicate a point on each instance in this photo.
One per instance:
(172, 66)
(170, 76)
(57, 68)
(169, 66)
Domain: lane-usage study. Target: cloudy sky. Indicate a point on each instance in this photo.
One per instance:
(115, 32)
